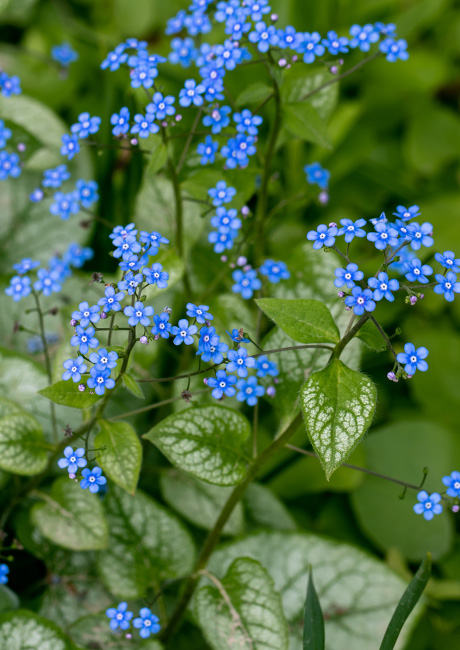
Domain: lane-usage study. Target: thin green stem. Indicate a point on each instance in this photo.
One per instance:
(347, 337)
(49, 373)
(189, 140)
(150, 407)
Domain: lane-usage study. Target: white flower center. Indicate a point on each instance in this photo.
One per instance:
(74, 369)
(138, 313)
(347, 276)
(222, 384)
(413, 359)
(84, 339)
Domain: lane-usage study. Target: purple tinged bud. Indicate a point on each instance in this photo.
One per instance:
(245, 210)
(74, 322)
(334, 69)
(144, 340)
(21, 146)
(274, 18)
(72, 475)
(409, 376)
(413, 300)
(323, 198)
(282, 63)
(178, 117)
(421, 296)
(223, 258)
(332, 224)
(295, 58)
(205, 381)
(128, 636)
(156, 337)
(241, 261)
(288, 67)
(103, 315)
(208, 323)
(455, 508)
(164, 123)
(391, 376)
(134, 141)
(167, 310)
(247, 268)
(347, 308)
(340, 61)
(232, 265)
(341, 294)
(271, 391)
(81, 388)
(275, 380)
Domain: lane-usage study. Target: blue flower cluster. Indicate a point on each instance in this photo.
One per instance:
(74, 460)
(64, 54)
(4, 571)
(429, 505)
(10, 163)
(120, 618)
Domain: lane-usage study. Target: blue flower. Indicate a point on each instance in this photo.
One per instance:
(133, 263)
(85, 314)
(184, 333)
(9, 165)
(246, 122)
(416, 271)
(236, 25)
(348, 276)
(207, 150)
(404, 256)
(429, 505)
(352, 230)
(55, 177)
(87, 192)
(183, 52)
(240, 362)
(103, 359)
(275, 271)
(199, 312)
(114, 59)
(266, 367)
(19, 288)
(10, 85)
(126, 247)
(403, 229)
(176, 23)
(36, 195)
(335, 44)
(73, 459)
(405, 214)
(156, 275)
(93, 479)
(144, 125)
(225, 220)
(245, 283)
(448, 261)
(289, 38)
(143, 74)
(130, 282)
(111, 300)
(311, 47)
(218, 119)
(85, 125)
(161, 106)
(388, 30)
(237, 150)
(383, 287)
(48, 282)
(413, 359)
(147, 623)
(263, 36)
(120, 122)
(100, 380)
(197, 23)
(322, 236)
(226, 9)
(452, 483)
(249, 391)
(360, 300)
(64, 205)
(138, 314)
(162, 327)
(212, 74)
(25, 265)
(4, 571)
(5, 134)
(222, 240)
(222, 384)
(70, 146)
(229, 55)
(238, 336)
(420, 235)
(64, 54)
(363, 37)
(394, 50)
(317, 175)
(191, 93)
(76, 255)
(448, 285)
(84, 338)
(123, 231)
(384, 235)
(152, 241)
(210, 346)
(120, 617)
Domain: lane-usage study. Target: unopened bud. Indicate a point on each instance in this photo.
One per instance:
(341, 294)
(81, 388)
(178, 117)
(323, 198)
(282, 63)
(103, 315)
(21, 146)
(391, 376)
(71, 475)
(223, 258)
(245, 210)
(332, 225)
(167, 310)
(274, 18)
(241, 261)
(455, 507)
(134, 141)
(232, 265)
(144, 340)
(74, 322)
(271, 391)
(334, 69)
(205, 381)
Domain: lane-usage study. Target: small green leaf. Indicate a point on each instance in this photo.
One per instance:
(24, 630)
(132, 385)
(370, 335)
(338, 405)
(254, 94)
(207, 442)
(8, 599)
(306, 321)
(147, 545)
(243, 610)
(304, 122)
(158, 156)
(407, 603)
(67, 394)
(72, 517)
(121, 460)
(313, 621)
(23, 449)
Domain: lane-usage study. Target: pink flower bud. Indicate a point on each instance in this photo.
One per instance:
(323, 198)
(144, 340)
(223, 258)
(72, 475)
(134, 141)
(274, 18)
(332, 224)
(241, 261)
(205, 381)
(21, 146)
(245, 211)
(413, 300)
(334, 69)
(455, 508)
(391, 376)
(282, 63)
(178, 117)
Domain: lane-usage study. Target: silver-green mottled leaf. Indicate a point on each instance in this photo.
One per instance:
(121, 460)
(72, 517)
(8, 599)
(243, 611)
(8, 407)
(23, 449)
(206, 442)
(24, 630)
(147, 545)
(265, 509)
(338, 406)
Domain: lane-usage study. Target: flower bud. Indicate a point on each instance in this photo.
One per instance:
(144, 340)
(323, 198)
(178, 117)
(21, 147)
(392, 377)
(232, 265)
(413, 300)
(103, 315)
(81, 388)
(205, 381)
(271, 391)
(134, 141)
(274, 18)
(334, 69)
(341, 294)
(455, 507)
(282, 63)
(247, 268)
(167, 310)
(71, 475)
(241, 261)
(74, 322)
(223, 258)
(332, 225)
(245, 210)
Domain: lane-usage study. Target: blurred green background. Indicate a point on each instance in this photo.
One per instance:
(396, 140)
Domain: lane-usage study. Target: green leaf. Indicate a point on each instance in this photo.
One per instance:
(8, 599)
(370, 335)
(8, 407)
(23, 449)
(408, 601)
(254, 94)
(265, 509)
(147, 545)
(173, 265)
(243, 610)
(158, 156)
(348, 580)
(132, 385)
(200, 502)
(306, 321)
(71, 517)
(338, 406)
(313, 621)
(92, 631)
(122, 458)
(21, 378)
(302, 121)
(24, 630)
(301, 80)
(207, 442)
(67, 394)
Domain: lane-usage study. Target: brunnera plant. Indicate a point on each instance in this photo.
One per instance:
(212, 159)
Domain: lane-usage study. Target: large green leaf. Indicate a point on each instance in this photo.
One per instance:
(72, 517)
(24, 630)
(266, 510)
(206, 442)
(8, 599)
(147, 544)
(338, 406)
(254, 94)
(20, 379)
(306, 321)
(302, 121)
(301, 80)
(23, 449)
(200, 502)
(67, 394)
(243, 610)
(121, 460)
(358, 593)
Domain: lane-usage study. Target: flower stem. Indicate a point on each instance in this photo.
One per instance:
(47, 361)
